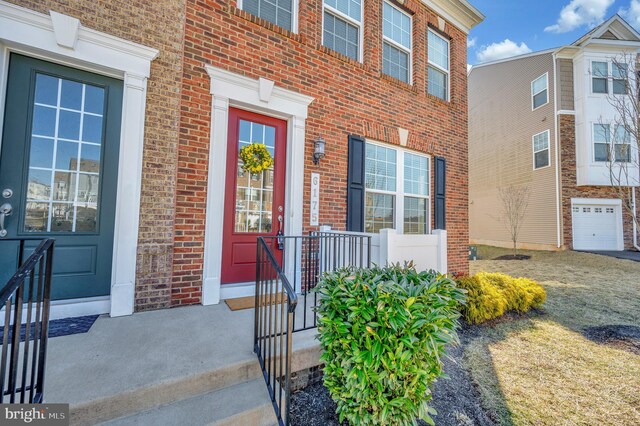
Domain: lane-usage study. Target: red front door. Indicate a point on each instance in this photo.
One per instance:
(253, 203)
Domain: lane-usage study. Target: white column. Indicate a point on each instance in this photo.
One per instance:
(215, 201)
(442, 250)
(123, 272)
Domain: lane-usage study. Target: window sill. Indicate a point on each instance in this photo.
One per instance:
(435, 98)
(398, 83)
(344, 58)
(266, 24)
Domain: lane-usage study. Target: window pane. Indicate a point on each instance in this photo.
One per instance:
(278, 12)
(542, 158)
(395, 62)
(341, 36)
(541, 141)
(621, 135)
(416, 175)
(540, 99)
(415, 215)
(602, 151)
(623, 152)
(438, 51)
(619, 70)
(619, 87)
(380, 168)
(601, 133)
(437, 83)
(600, 85)
(540, 84)
(396, 25)
(378, 212)
(351, 8)
(600, 69)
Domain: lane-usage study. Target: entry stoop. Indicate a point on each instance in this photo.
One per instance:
(242, 404)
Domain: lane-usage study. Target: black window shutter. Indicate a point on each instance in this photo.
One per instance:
(355, 184)
(440, 193)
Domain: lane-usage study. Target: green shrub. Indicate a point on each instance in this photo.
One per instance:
(484, 301)
(489, 295)
(383, 332)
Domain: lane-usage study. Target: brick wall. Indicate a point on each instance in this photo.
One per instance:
(158, 24)
(570, 190)
(350, 98)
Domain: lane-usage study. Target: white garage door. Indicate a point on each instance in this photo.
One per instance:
(595, 227)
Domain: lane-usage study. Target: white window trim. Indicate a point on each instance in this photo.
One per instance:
(345, 17)
(610, 79)
(447, 72)
(399, 194)
(533, 94)
(548, 148)
(294, 14)
(398, 45)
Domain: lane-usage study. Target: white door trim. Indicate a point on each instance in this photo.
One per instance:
(262, 96)
(617, 203)
(65, 41)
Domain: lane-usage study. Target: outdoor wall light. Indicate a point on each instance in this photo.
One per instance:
(318, 152)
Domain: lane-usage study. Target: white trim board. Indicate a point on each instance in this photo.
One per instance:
(233, 291)
(62, 39)
(264, 97)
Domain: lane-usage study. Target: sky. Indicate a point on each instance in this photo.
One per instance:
(517, 27)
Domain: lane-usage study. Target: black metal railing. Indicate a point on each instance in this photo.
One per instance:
(276, 303)
(303, 260)
(26, 300)
(287, 270)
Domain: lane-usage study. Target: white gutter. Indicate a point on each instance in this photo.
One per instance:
(635, 226)
(557, 151)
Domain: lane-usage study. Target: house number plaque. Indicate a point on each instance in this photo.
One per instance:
(315, 199)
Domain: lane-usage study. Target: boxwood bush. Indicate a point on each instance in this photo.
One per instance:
(490, 295)
(383, 333)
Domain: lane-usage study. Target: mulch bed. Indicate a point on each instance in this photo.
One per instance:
(513, 257)
(455, 399)
(625, 337)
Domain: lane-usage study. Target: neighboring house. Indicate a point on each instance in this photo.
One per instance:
(123, 120)
(544, 120)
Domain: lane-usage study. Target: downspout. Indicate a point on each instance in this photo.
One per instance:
(635, 225)
(556, 117)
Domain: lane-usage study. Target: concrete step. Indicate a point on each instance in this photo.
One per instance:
(159, 393)
(242, 404)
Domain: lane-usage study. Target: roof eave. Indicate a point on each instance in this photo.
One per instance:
(460, 13)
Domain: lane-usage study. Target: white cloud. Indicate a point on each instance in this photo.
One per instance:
(471, 42)
(580, 12)
(632, 13)
(504, 49)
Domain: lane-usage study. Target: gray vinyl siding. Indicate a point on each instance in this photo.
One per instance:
(501, 127)
(564, 68)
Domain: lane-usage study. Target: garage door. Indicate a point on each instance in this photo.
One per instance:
(595, 227)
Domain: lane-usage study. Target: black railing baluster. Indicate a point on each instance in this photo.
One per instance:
(15, 343)
(5, 347)
(276, 301)
(27, 336)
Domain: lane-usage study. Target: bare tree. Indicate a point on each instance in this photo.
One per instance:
(624, 131)
(515, 201)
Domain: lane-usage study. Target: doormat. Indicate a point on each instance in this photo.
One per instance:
(249, 302)
(57, 328)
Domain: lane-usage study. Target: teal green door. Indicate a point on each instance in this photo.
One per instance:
(58, 171)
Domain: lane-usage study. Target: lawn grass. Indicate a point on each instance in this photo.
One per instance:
(539, 369)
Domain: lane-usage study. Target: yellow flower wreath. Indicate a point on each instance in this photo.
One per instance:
(255, 158)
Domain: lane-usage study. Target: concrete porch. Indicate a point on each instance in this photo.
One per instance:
(193, 365)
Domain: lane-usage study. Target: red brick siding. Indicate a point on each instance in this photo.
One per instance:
(350, 98)
(571, 190)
